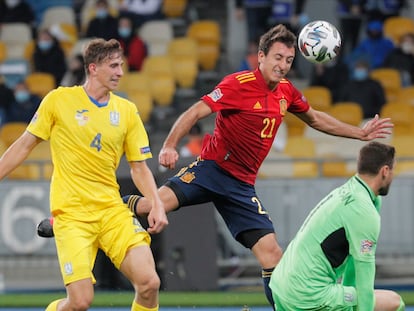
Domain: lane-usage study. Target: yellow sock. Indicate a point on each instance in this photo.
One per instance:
(53, 305)
(137, 307)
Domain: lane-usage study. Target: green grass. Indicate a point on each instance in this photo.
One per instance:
(183, 299)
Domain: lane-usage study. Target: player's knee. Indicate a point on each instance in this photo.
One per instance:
(149, 287)
(80, 303)
(397, 302)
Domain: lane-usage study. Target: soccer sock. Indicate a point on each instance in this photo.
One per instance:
(266, 274)
(53, 305)
(132, 201)
(137, 307)
(402, 305)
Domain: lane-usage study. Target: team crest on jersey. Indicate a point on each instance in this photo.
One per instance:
(81, 116)
(114, 118)
(215, 95)
(283, 106)
(187, 177)
(366, 246)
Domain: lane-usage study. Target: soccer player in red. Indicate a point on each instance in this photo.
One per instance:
(249, 107)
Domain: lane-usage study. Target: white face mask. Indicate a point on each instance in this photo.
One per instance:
(12, 3)
(407, 47)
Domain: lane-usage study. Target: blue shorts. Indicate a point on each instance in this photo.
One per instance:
(204, 181)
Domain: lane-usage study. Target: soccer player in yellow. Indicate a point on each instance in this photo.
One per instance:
(89, 129)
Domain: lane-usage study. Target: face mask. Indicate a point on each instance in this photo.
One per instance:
(360, 74)
(44, 45)
(12, 3)
(21, 96)
(101, 13)
(124, 32)
(407, 47)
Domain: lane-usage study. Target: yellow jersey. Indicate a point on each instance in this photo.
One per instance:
(87, 141)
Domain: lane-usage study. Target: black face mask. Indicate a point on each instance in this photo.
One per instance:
(374, 34)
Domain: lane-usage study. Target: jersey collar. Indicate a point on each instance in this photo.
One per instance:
(376, 200)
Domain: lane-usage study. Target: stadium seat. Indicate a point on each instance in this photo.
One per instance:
(157, 34)
(405, 154)
(295, 126)
(396, 26)
(174, 8)
(40, 83)
(348, 112)
(208, 37)
(406, 94)
(10, 131)
(3, 51)
(319, 97)
(183, 52)
(390, 79)
(58, 15)
(134, 81)
(43, 167)
(144, 102)
(15, 36)
(299, 147)
(161, 78)
(333, 166)
(402, 115)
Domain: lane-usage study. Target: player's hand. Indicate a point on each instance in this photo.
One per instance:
(377, 128)
(157, 219)
(168, 157)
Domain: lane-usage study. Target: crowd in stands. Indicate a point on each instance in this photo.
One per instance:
(47, 37)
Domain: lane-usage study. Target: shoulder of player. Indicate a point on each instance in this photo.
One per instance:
(241, 77)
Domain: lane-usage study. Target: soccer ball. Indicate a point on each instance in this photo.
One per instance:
(319, 41)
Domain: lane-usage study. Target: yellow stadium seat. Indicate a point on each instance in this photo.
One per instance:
(294, 125)
(299, 147)
(40, 83)
(208, 37)
(134, 81)
(57, 15)
(390, 79)
(395, 27)
(3, 52)
(10, 131)
(174, 8)
(334, 166)
(319, 97)
(15, 36)
(348, 112)
(402, 115)
(144, 102)
(183, 52)
(406, 94)
(405, 154)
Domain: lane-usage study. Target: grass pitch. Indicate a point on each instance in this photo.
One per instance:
(167, 299)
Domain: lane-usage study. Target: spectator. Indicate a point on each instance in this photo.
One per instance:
(16, 11)
(103, 25)
(49, 56)
(7, 100)
(351, 15)
(24, 106)
(134, 48)
(402, 59)
(257, 14)
(141, 11)
(375, 47)
(250, 61)
(195, 139)
(367, 92)
(75, 75)
(290, 13)
(333, 75)
(382, 9)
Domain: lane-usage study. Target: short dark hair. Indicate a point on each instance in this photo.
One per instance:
(278, 33)
(373, 156)
(97, 50)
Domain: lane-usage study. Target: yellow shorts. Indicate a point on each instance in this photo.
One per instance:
(79, 235)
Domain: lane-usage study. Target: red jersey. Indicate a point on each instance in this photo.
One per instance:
(248, 117)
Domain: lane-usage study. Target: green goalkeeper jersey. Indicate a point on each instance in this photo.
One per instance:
(335, 245)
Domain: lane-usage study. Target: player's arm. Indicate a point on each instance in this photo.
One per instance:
(321, 121)
(168, 155)
(17, 153)
(144, 181)
(364, 284)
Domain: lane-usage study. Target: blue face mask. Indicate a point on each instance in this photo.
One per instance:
(44, 45)
(101, 13)
(21, 96)
(124, 32)
(360, 74)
